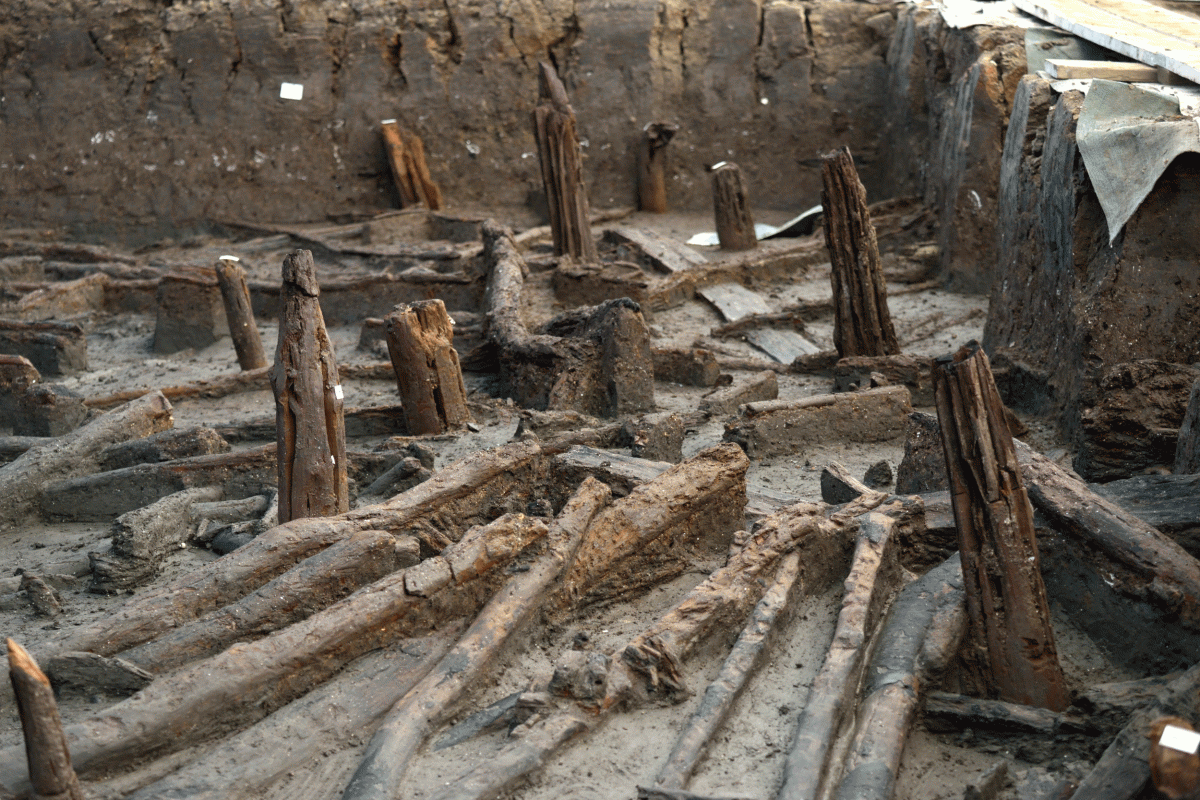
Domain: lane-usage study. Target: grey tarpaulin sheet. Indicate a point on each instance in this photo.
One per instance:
(1128, 135)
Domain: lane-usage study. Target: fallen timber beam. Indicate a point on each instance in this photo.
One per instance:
(223, 386)
(727, 594)
(455, 496)
(874, 577)
(920, 638)
(382, 770)
(248, 681)
(75, 453)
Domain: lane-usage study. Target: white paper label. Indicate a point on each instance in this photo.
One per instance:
(337, 392)
(1180, 739)
(388, 122)
(333, 459)
(291, 91)
(228, 258)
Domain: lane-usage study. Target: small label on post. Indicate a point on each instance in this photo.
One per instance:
(333, 459)
(337, 392)
(388, 122)
(1180, 739)
(291, 91)
(228, 258)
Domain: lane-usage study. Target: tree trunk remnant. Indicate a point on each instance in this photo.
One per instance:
(735, 223)
(428, 375)
(862, 323)
(652, 166)
(310, 431)
(247, 341)
(562, 168)
(46, 751)
(1010, 652)
(406, 157)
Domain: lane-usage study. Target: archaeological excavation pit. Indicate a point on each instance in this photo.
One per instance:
(650, 400)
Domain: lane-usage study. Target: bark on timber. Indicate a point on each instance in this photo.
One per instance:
(247, 341)
(562, 168)
(419, 338)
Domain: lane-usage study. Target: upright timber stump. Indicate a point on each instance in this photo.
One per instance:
(428, 375)
(406, 157)
(652, 166)
(247, 342)
(562, 169)
(1010, 648)
(309, 428)
(862, 324)
(735, 224)
(46, 751)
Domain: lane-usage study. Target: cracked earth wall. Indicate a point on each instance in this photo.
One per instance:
(137, 119)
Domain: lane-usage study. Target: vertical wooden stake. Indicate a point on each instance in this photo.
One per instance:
(46, 751)
(428, 375)
(309, 428)
(1010, 644)
(652, 166)
(397, 155)
(238, 312)
(562, 168)
(429, 191)
(735, 224)
(862, 324)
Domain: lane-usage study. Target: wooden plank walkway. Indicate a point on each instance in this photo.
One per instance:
(1134, 28)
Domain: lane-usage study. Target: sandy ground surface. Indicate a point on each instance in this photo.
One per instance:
(747, 757)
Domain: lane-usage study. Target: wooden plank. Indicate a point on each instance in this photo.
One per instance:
(1129, 71)
(734, 301)
(1134, 28)
(783, 346)
(666, 254)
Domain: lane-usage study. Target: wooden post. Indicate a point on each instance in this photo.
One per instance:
(735, 224)
(406, 157)
(49, 761)
(562, 168)
(652, 166)
(1010, 649)
(309, 429)
(419, 337)
(862, 324)
(238, 312)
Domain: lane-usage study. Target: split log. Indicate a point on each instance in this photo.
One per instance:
(215, 387)
(22, 481)
(248, 681)
(311, 435)
(381, 772)
(862, 324)
(739, 665)
(48, 757)
(920, 639)
(454, 496)
(62, 299)
(419, 338)
(54, 348)
(652, 166)
(1187, 447)
(1010, 653)
(168, 445)
(406, 157)
(48, 409)
(88, 674)
(17, 374)
(1170, 503)
(315, 583)
(731, 207)
(955, 712)
(562, 168)
(240, 315)
(245, 765)
(874, 577)
(190, 311)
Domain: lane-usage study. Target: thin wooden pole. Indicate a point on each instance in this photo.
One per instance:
(735, 223)
(1010, 644)
(562, 168)
(862, 323)
(652, 166)
(246, 339)
(310, 430)
(50, 770)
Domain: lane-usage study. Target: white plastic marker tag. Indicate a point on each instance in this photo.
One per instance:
(333, 459)
(1180, 739)
(388, 122)
(337, 392)
(291, 91)
(228, 258)
(718, 165)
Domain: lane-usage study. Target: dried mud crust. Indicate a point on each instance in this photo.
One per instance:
(747, 756)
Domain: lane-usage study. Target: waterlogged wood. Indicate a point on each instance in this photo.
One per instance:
(562, 168)
(652, 166)
(249, 680)
(1010, 652)
(222, 386)
(47, 755)
(739, 666)
(310, 431)
(862, 323)
(247, 342)
(406, 157)
(419, 338)
(874, 576)
(75, 453)
(314, 584)
(381, 773)
(731, 207)
(463, 489)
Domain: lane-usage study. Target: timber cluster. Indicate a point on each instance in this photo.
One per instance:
(332, 555)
